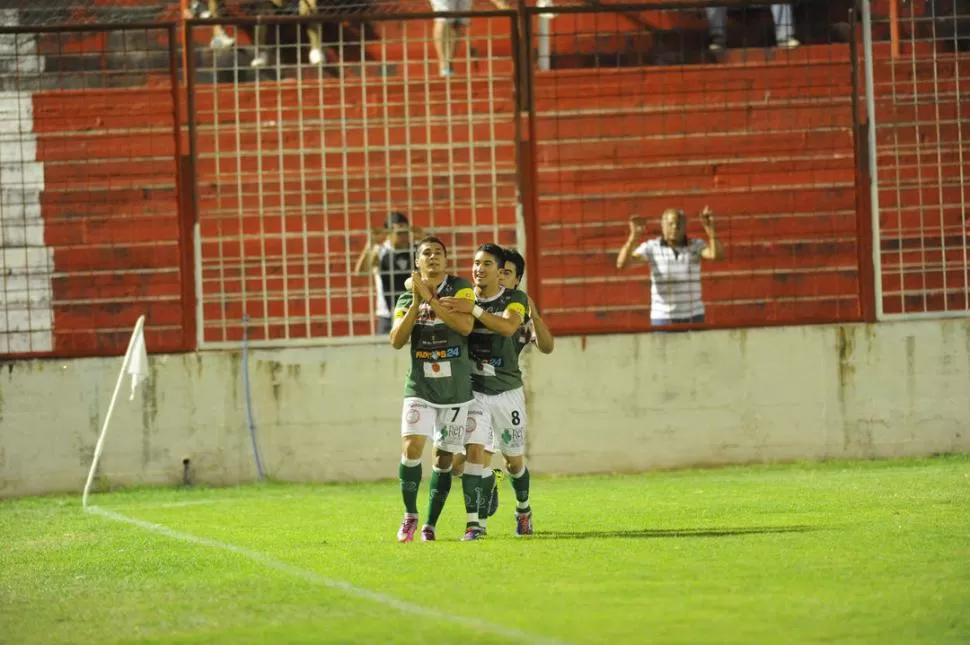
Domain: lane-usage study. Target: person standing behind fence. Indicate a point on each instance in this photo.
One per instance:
(784, 26)
(675, 265)
(390, 262)
(448, 31)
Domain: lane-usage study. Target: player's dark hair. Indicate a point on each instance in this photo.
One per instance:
(495, 251)
(431, 239)
(396, 218)
(513, 256)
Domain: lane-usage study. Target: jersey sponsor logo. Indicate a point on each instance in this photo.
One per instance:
(513, 435)
(487, 366)
(433, 338)
(437, 370)
(437, 354)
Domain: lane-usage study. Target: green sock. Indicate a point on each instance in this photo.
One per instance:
(410, 477)
(488, 482)
(472, 487)
(520, 485)
(440, 487)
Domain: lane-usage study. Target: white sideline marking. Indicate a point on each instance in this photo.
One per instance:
(310, 576)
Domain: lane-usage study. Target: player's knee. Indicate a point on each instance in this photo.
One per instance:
(443, 460)
(412, 449)
(514, 464)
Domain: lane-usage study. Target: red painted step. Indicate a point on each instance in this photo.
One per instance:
(611, 236)
(698, 146)
(116, 286)
(674, 98)
(125, 257)
(80, 110)
(765, 181)
(782, 199)
(752, 314)
(749, 120)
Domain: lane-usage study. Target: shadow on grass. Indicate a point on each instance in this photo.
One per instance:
(646, 534)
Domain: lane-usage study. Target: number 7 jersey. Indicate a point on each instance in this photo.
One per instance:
(494, 357)
(439, 354)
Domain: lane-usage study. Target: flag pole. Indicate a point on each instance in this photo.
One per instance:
(136, 335)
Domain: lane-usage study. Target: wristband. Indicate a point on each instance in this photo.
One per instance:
(477, 311)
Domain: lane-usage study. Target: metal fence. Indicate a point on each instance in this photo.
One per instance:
(236, 195)
(89, 205)
(920, 130)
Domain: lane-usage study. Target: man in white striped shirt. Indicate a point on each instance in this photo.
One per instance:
(675, 265)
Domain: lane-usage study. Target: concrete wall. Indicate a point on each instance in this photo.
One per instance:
(598, 404)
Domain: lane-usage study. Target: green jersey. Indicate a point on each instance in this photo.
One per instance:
(440, 372)
(495, 358)
(525, 335)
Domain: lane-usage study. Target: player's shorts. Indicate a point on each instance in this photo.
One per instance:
(503, 418)
(445, 424)
(452, 5)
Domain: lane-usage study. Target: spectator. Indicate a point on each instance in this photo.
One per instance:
(675, 265)
(390, 262)
(784, 26)
(279, 7)
(206, 9)
(448, 31)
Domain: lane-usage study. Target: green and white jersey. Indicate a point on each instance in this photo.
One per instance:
(495, 358)
(525, 335)
(440, 372)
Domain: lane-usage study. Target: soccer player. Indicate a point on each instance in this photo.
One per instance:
(437, 389)
(534, 330)
(499, 407)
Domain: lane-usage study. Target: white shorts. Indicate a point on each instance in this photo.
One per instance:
(503, 418)
(446, 424)
(452, 5)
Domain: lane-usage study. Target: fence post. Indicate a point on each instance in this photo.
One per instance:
(872, 154)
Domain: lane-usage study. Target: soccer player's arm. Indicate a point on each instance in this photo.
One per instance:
(544, 339)
(461, 323)
(510, 320)
(405, 315)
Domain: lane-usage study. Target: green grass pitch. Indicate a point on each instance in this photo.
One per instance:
(840, 552)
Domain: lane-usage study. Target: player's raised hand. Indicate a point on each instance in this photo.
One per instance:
(707, 219)
(414, 284)
(637, 226)
(458, 305)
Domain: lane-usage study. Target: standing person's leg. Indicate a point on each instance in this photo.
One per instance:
(417, 425)
(477, 431)
(309, 8)
(512, 423)
(784, 25)
(260, 58)
(220, 39)
(717, 26)
(449, 438)
(448, 32)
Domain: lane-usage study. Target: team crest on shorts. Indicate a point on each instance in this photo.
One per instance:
(470, 424)
(412, 416)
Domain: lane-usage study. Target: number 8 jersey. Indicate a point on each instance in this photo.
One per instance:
(495, 358)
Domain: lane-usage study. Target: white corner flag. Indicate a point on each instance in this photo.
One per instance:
(138, 366)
